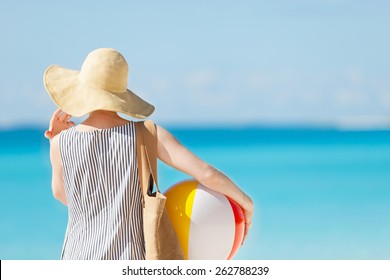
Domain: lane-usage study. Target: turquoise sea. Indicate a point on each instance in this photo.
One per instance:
(318, 193)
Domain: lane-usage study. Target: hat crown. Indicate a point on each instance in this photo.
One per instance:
(105, 69)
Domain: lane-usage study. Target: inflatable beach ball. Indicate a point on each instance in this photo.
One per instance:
(208, 225)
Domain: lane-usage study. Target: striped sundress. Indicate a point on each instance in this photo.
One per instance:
(103, 194)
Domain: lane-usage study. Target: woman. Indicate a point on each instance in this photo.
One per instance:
(94, 170)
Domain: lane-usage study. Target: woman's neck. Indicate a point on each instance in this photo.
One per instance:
(100, 114)
(104, 119)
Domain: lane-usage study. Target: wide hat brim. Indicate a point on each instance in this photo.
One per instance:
(76, 98)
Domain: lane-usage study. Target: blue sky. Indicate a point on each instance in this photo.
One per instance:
(218, 62)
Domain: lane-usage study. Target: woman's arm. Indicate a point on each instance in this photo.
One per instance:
(56, 164)
(176, 155)
(58, 122)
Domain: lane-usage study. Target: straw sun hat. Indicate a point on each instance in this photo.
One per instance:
(101, 84)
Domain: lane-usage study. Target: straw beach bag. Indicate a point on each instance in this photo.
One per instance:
(161, 242)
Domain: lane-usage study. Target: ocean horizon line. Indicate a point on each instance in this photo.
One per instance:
(231, 126)
(26, 136)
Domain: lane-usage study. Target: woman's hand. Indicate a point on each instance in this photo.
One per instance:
(59, 122)
(248, 208)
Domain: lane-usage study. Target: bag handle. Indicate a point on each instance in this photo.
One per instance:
(146, 149)
(151, 149)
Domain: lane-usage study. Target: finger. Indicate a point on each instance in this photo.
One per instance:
(56, 114)
(68, 117)
(248, 218)
(71, 123)
(248, 224)
(63, 117)
(245, 235)
(48, 134)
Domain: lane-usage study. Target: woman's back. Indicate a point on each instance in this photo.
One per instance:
(94, 167)
(103, 194)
